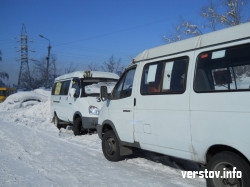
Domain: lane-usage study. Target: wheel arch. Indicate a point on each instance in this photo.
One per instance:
(108, 125)
(77, 114)
(213, 150)
(54, 116)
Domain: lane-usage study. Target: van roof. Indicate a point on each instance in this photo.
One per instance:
(94, 74)
(222, 36)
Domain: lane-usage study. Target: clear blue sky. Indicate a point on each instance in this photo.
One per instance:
(88, 31)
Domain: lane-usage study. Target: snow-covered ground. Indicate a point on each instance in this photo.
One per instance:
(33, 152)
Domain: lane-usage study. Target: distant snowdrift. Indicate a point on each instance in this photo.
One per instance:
(33, 106)
(24, 99)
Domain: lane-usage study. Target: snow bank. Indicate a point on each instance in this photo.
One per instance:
(25, 99)
(28, 107)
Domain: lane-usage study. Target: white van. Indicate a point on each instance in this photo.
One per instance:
(189, 99)
(75, 98)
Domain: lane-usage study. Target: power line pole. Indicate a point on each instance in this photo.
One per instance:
(48, 59)
(24, 80)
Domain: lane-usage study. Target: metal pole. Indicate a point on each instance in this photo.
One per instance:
(47, 65)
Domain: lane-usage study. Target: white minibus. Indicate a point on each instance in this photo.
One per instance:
(75, 98)
(189, 99)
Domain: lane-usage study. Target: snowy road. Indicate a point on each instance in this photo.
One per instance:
(33, 152)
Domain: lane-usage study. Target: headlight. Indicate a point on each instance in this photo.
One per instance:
(94, 110)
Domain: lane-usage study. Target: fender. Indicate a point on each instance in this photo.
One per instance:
(111, 124)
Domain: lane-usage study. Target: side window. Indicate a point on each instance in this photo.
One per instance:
(65, 87)
(165, 77)
(226, 69)
(76, 84)
(57, 87)
(123, 88)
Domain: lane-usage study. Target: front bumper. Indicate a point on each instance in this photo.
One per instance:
(99, 130)
(89, 123)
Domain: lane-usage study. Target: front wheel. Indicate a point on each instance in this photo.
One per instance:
(111, 146)
(234, 170)
(77, 127)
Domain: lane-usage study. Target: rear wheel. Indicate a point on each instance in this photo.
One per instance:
(111, 146)
(77, 127)
(230, 163)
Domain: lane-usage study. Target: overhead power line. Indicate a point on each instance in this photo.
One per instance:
(111, 33)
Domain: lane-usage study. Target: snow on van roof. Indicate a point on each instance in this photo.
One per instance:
(93, 74)
(225, 35)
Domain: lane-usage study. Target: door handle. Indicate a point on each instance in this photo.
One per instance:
(126, 110)
(56, 101)
(70, 103)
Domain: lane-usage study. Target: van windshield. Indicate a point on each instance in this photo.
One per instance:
(91, 87)
(2, 93)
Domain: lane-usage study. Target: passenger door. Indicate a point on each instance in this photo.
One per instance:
(162, 108)
(61, 99)
(121, 106)
(73, 104)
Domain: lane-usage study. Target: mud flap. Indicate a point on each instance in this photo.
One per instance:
(125, 151)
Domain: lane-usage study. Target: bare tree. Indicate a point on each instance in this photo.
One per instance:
(113, 65)
(38, 77)
(71, 68)
(93, 67)
(4, 75)
(223, 13)
(183, 30)
(53, 67)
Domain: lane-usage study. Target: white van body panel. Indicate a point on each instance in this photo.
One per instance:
(122, 111)
(78, 105)
(219, 118)
(162, 121)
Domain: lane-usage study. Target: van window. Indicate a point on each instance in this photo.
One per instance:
(65, 87)
(223, 70)
(123, 88)
(165, 77)
(57, 87)
(61, 88)
(77, 85)
(3, 93)
(91, 86)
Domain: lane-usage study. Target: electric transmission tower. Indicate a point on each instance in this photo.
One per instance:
(24, 80)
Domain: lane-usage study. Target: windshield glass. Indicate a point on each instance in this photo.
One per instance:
(2, 92)
(91, 87)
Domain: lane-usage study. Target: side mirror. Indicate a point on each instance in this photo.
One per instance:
(72, 92)
(104, 93)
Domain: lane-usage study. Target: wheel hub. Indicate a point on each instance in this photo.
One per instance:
(222, 182)
(110, 146)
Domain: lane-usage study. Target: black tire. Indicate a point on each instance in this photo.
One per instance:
(226, 161)
(77, 127)
(111, 146)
